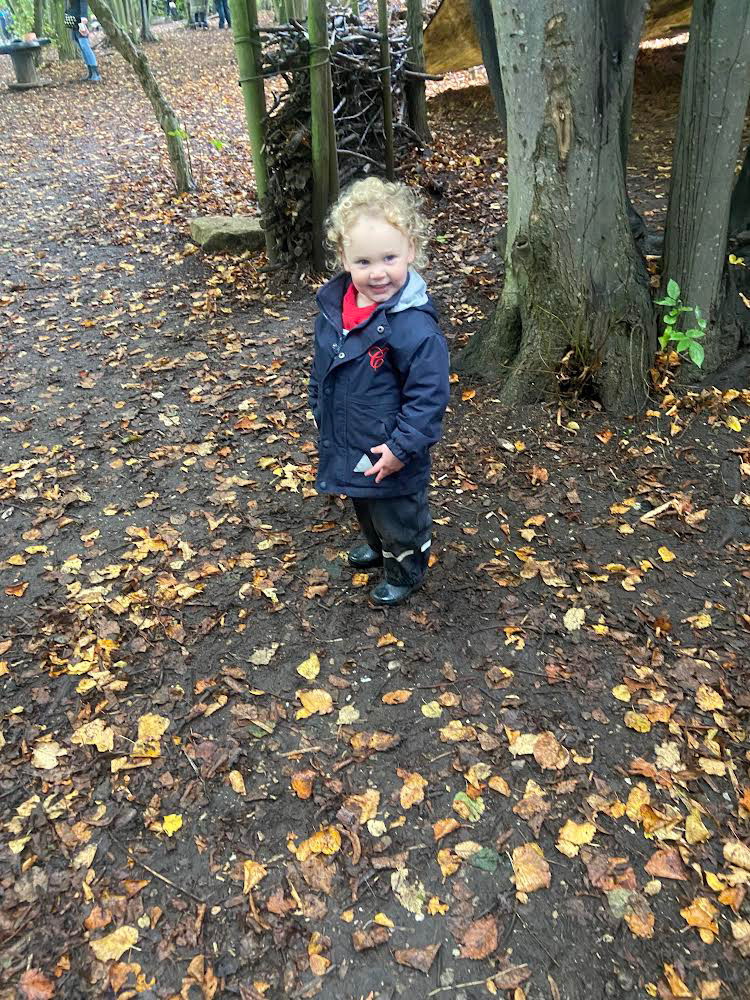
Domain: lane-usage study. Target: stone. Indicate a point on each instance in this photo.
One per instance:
(227, 233)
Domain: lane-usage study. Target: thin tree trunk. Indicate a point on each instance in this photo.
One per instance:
(165, 116)
(66, 47)
(484, 25)
(416, 98)
(247, 47)
(715, 90)
(385, 77)
(147, 34)
(575, 287)
(317, 26)
(38, 25)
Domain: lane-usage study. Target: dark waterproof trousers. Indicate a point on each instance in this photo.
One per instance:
(400, 528)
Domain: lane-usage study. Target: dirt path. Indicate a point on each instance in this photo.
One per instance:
(174, 600)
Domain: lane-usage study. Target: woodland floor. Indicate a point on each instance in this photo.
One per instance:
(170, 583)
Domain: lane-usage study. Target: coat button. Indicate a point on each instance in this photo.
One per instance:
(381, 329)
(342, 355)
(328, 391)
(323, 485)
(326, 442)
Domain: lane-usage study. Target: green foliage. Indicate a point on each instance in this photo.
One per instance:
(684, 341)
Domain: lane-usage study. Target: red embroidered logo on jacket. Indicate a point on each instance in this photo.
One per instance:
(377, 356)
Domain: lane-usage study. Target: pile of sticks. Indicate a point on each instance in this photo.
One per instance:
(356, 76)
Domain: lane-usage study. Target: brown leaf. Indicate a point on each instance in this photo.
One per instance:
(548, 753)
(442, 827)
(530, 868)
(377, 740)
(318, 874)
(667, 863)
(512, 978)
(35, 985)
(302, 783)
(371, 938)
(480, 939)
(417, 958)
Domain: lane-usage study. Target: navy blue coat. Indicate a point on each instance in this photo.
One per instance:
(385, 383)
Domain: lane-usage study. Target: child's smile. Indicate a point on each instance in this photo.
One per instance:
(377, 255)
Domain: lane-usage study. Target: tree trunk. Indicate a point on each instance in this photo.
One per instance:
(165, 116)
(66, 47)
(715, 90)
(320, 126)
(575, 286)
(147, 34)
(739, 209)
(416, 99)
(484, 25)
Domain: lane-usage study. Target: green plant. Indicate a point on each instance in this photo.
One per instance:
(683, 340)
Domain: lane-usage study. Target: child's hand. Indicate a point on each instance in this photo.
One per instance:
(386, 465)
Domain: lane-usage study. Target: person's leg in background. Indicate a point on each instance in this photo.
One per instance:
(89, 58)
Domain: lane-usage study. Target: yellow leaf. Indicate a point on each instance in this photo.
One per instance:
(412, 791)
(573, 836)
(701, 914)
(347, 916)
(621, 692)
(666, 554)
(637, 799)
(530, 868)
(432, 710)
(448, 861)
(499, 785)
(468, 394)
(733, 424)
(325, 841)
(703, 620)
(522, 743)
(442, 827)
(365, 804)
(383, 920)
(113, 946)
(708, 700)
(309, 668)
(171, 824)
(456, 731)
(253, 874)
(237, 782)
(387, 640)
(315, 702)
(637, 721)
(152, 727)
(46, 753)
(95, 733)
(695, 830)
(436, 908)
(396, 697)
(360, 579)
(737, 854)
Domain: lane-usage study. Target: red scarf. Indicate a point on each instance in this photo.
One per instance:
(352, 314)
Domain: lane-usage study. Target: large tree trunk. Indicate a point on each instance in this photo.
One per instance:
(147, 34)
(484, 25)
(165, 116)
(715, 90)
(416, 98)
(66, 47)
(575, 286)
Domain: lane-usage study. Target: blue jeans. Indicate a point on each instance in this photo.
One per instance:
(86, 51)
(222, 9)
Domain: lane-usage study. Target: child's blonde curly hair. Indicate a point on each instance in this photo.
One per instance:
(398, 204)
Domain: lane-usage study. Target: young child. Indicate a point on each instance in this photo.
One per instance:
(379, 381)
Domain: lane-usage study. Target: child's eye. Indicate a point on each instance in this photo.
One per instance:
(390, 257)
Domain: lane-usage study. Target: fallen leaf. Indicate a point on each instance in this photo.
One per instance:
(412, 790)
(396, 697)
(530, 868)
(35, 985)
(309, 668)
(442, 827)
(417, 958)
(738, 854)
(377, 740)
(432, 710)
(741, 936)
(237, 782)
(677, 986)
(411, 895)
(696, 832)
(325, 841)
(95, 733)
(347, 715)
(573, 836)
(302, 783)
(46, 753)
(113, 946)
(448, 861)
(701, 914)
(370, 938)
(666, 554)
(314, 702)
(253, 873)
(366, 804)
(574, 619)
(637, 721)
(708, 700)
(171, 824)
(667, 863)
(549, 754)
(456, 732)
(499, 785)
(480, 939)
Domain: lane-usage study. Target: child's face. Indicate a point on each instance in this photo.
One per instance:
(377, 255)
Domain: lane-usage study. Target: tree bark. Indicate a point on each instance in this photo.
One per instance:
(484, 25)
(147, 34)
(715, 90)
(320, 123)
(575, 286)
(416, 98)
(165, 116)
(739, 209)
(385, 78)
(66, 47)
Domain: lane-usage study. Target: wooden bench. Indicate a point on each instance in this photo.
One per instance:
(22, 56)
